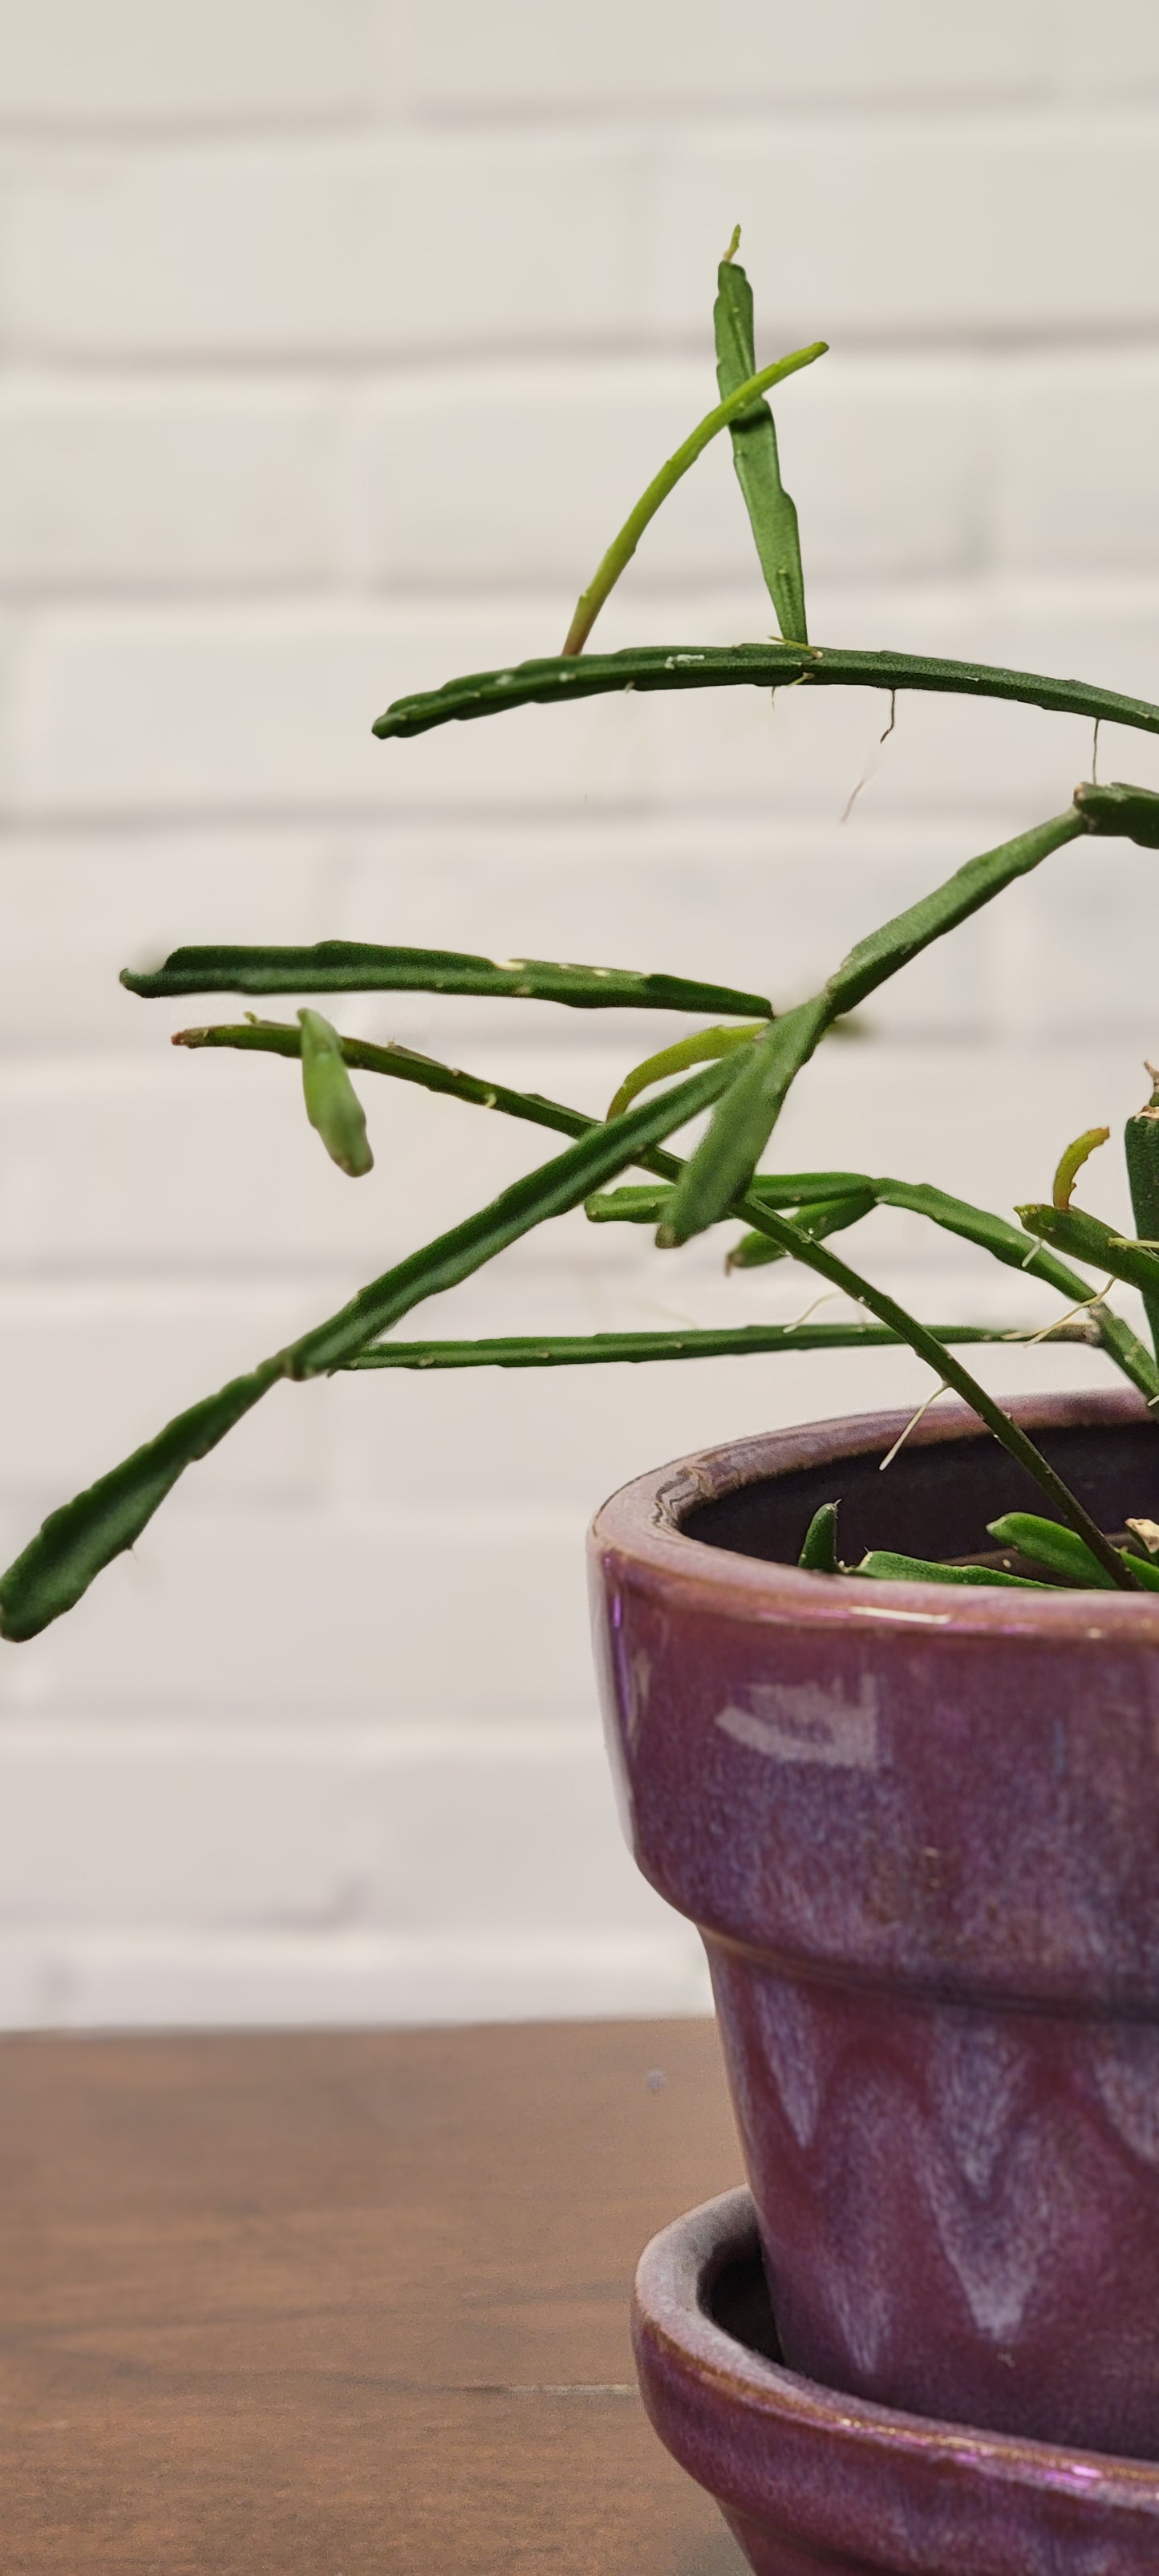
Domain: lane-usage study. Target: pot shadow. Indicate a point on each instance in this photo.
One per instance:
(739, 2301)
(716, 2556)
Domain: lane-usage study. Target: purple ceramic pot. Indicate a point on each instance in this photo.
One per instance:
(919, 1831)
(818, 2485)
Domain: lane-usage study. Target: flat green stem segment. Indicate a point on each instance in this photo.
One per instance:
(349, 966)
(886, 950)
(403, 1064)
(728, 1153)
(1141, 1147)
(828, 1265)
(623, 547)
(884, 1565)
(1062, 1553)
(74, 1543)
(588, 1350)
(1086, 1238)
(772, 515)
(643, 1205)
(1129, 813)
(755, 666)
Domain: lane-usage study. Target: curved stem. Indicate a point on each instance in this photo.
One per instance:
(771, 665)
(623, 547)
(701, 1048)
(584, 1350)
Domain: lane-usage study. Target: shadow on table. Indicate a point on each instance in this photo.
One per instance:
(717, 2556)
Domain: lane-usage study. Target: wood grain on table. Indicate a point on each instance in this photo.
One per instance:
(346, 2305)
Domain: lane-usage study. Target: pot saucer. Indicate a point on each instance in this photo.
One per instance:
(809, 2480)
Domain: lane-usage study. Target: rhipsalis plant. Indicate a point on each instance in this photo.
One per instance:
(739, 1068)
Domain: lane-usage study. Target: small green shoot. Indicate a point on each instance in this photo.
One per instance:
(332, 1103)
(703, 1048)
(1071, 1163)
(819, 1546)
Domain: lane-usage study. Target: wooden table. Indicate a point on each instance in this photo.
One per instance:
(345, 2305)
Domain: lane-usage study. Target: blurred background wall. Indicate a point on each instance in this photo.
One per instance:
(337, 337)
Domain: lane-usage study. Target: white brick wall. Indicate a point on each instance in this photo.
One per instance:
(130, 66)
(152, 488)
(337, 336)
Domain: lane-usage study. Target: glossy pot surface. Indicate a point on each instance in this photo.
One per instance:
(918, 1828)
(814, 2484)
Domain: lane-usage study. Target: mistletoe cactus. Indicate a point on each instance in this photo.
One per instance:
(738, 1069)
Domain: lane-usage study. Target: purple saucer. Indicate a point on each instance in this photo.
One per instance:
(813, 2483)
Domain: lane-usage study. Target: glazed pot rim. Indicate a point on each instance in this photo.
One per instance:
(677, 2338)
(642, 1526)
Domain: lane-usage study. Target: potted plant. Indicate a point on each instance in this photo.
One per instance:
(895, 1746)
